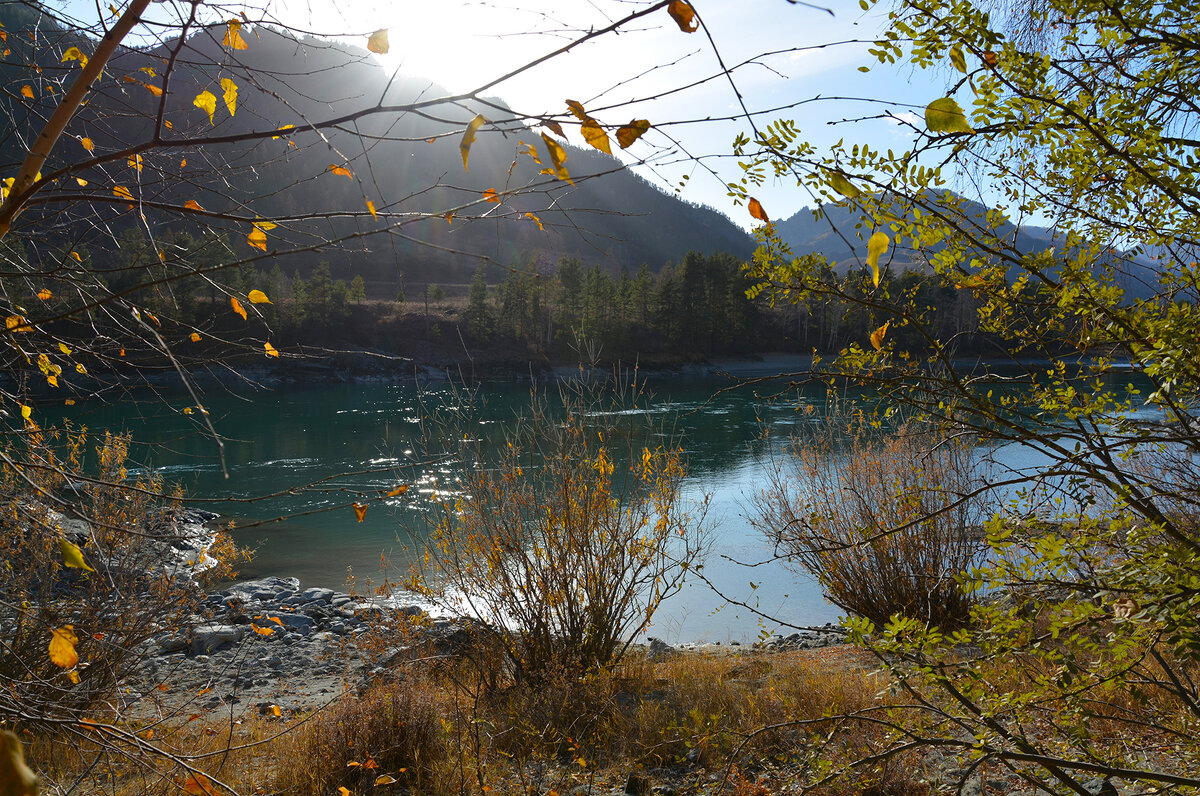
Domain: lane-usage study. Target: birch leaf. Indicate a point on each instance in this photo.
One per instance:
(72, 555)
(378, 42)
(469, 138)
(230, 88)
(207, 102)
(237, 307)
(62, 647)
(233, 36)
(876, 246)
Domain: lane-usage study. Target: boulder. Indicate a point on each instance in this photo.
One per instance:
(207, 638)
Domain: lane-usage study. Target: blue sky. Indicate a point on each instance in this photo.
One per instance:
(815, 59)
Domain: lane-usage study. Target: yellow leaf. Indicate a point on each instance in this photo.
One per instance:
(378, 42)
(684, 16)
(237, 307)
(194, 337)
(121, 192)
(262, 631)
(631, 132)
(187, 410)
(946, 116)
(594, 134)
(536, 220)
(257, 238)
(265, 225)
(398, 491)
(371, 207)
(135, 162)
(62, 647)
(258, 297)
(490, 196)
(343, 791)
(555, 128)
(52, 380)
(74, 54)
(360, 511)
(192, 204)
(468, 138)
(72, 555)
(558, 156)
(839, 183)
(69, 402)
(78, 259)
(27, 92)
(340, 171)
(281, 129)
(385, 779)
(156, 91)
(44, 294)
(66, 349)
(80, 180)
(148, 70)
(15, 323)
(275, 710)
(878, 335)
(207, 102)
(577, 109)
(270, 349)
(756, 211)
(876, 246)
(233, 36)
(230, 95)
(79, 368)
(16, 776)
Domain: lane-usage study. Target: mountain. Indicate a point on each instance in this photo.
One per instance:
(837, 232)
(407, 163)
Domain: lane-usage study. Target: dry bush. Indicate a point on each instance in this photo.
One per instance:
(111, 605)
(566, 541)
(885, 519)
(392, 730)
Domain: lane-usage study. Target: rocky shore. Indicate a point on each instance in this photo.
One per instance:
(269, 644)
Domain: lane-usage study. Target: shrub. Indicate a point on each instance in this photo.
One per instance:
(566, 541)
(885, 519)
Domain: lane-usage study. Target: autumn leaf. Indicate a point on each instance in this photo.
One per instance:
(631, 132)
(69, 402)
(946, 116)
(198, 784)
(134, 162)
(276, 711)
(230, 90)
(378, 42)
(44, 294)
(192, 204)
(74, 54)
(989, 58)
(490, 196)
(233, 36)
(340, 171)
(207, 102)
(555, 128)
(156, 91)
(878, 335)
(398, 491)
(839, 183)
(684, 16)
(271, 351)
(194, 337)
(594, 134)
(27, 91)
(385, 779)
(282, 129)
(258, 297)
(237, 307)
(121, 192)
(343, 791)
(756, 211)
(536, 220)
(87, 144)
(957, 60)
(257, 238)
(371, 208)
(81, 181)
(262, 631)
(17, 777)
(468, 138)
(15, 323)
(62, 647)
(27, 416)
(78, 259)
(360, 511)
(558, 156)
(876, 246)
(72, 555)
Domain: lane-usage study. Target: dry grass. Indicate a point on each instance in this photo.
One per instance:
(692, 719)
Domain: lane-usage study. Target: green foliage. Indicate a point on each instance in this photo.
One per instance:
(1077, 112)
